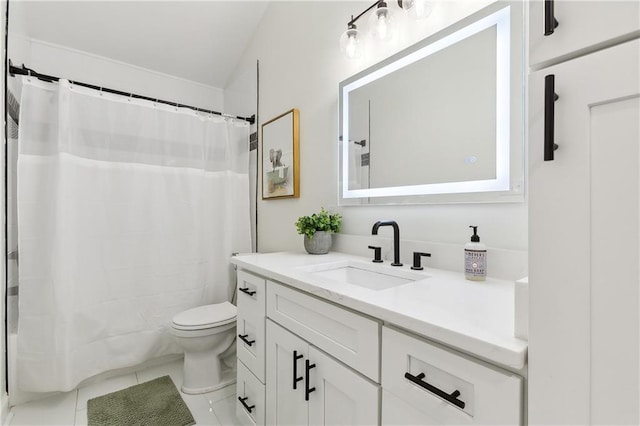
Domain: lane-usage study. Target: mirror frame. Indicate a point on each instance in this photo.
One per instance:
(508, 185)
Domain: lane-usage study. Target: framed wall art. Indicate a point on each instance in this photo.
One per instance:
(281, 156)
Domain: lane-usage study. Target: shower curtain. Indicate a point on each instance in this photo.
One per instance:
(128, 212)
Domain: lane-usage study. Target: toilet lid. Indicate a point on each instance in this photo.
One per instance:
(206, 316)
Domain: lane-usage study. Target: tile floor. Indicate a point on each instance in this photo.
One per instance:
(70, 408)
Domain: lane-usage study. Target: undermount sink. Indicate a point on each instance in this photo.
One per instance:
(371, 276)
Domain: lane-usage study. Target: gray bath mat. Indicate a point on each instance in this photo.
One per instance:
(153, 403)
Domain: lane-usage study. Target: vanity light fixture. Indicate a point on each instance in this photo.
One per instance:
(381, 23)
(351, 42)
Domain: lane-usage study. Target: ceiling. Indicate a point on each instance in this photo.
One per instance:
(197, 40)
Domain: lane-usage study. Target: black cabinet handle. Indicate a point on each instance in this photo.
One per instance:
(247, 291)
(550, 22)
(452, 398)
(307, 389)
(242, 401)
(550, 98)
(243, 337)
(296, 379)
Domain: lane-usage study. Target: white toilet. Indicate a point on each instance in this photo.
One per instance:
(204, 333)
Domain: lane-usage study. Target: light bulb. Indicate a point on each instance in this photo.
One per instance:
(351, 43)
(382, 23)
(417, 9)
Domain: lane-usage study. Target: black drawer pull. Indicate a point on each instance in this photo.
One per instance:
(452, 398)
(307, 389)
(550, 98)
(247, 291)
(243, 337)
(242, 401)
(296, 379)
(550, 21)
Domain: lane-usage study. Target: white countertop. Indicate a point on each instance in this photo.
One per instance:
(475, 317)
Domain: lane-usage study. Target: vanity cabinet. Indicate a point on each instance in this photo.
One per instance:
(426, 384)
(329, 364)
(584, 215)
(306, 386)
(582, 25)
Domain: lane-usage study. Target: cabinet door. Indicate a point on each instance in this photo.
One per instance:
(582, 26)
(341, 396)
(583, 243)
(286, 355)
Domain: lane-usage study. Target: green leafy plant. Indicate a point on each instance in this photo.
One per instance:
(322, 221)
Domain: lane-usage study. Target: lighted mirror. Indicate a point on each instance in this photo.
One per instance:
(441, 121)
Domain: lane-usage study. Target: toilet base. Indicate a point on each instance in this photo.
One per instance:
(203, 372)
(196, 391)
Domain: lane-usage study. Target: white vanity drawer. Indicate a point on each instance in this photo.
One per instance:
(250, 397)
(250, 322)
(251, 294)
(349, 337)
(443, 387)
(250, 345)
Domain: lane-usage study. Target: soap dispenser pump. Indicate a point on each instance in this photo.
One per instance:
(475, 258)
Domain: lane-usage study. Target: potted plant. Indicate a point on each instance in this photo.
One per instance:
(317, 230)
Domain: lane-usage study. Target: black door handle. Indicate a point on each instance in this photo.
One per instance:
(307, 389)
(243, 337)
(247, 291)
(242, 401)
(550, 21)
(550, 98)
(452, 397)
(296, 379)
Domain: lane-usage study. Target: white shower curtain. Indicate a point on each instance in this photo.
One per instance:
(127, 214)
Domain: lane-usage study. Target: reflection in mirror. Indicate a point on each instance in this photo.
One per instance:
(441, 121)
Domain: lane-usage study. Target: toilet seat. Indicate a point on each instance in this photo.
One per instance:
(207, 316)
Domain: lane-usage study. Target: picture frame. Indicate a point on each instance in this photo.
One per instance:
(280, 156)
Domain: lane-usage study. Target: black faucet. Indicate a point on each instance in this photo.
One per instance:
(396, 238)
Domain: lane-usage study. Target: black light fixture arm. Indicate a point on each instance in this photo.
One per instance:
(13, 70)
(353, 20)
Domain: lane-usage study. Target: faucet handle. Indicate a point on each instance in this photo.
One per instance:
(377, 254)
(416, 260)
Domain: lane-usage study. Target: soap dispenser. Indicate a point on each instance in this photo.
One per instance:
(475, 258)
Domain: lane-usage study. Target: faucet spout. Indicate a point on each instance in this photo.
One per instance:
(396, 238)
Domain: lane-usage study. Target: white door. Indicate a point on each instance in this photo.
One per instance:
(583, 242)
(286, 355)
(581, 25)
(341, 396)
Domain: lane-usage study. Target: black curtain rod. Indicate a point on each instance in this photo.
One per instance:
(13, 70)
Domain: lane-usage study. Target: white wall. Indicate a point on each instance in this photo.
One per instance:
(301, 66)
(64, 62)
